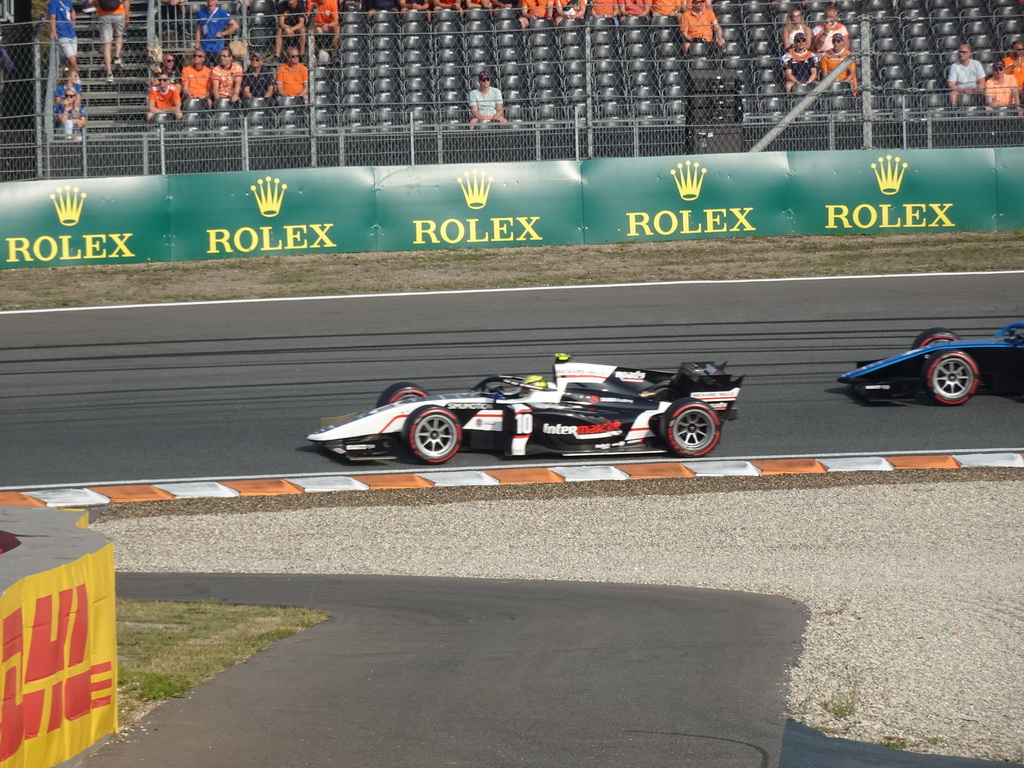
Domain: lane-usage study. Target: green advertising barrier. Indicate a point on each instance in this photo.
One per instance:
(466, 206)
(349, 210)
(893, 191)
(230, 215)
(1009, 197)
(683, 198)
(92, 221)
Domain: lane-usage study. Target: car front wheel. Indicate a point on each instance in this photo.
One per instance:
(951, 378)
(400, 390)
(432, 434)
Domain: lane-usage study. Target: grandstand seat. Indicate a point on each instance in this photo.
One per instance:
(603, 52)
(576, 95)
(947, 43)
(417, 97)
(448, 16)
(607, 79)
(479, 58)
(513, 81)
(389, 115)
(572, 34)
(513, 94)
(610, 109)
(921, 43)
(670, 64)
(674, 92)
(635, 51)
(603, 36)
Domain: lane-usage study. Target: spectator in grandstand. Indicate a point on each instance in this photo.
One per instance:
(164, 97)
(69, 87)
(966, 78)
(71, 117)
(1014, 63)
(392, 6)
(798, 64)
(536, 9)
(293, 77)
(418, 5)
(168, 66)
(824, 34)
(1001, 89)
(213, 24)
(326, 29)
(291, 26)
(485, 102)
(226, 78)
(794, 26)
(171, 9)
(665, 8)
(112, 24)
(831, 59)
(258, 83)
(62, 29)
(608, 9)
(569, 9)
(449, 5)
(698, 22)
(635, 7)
(195, 79)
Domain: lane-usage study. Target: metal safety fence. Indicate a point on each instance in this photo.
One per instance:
(393, 89)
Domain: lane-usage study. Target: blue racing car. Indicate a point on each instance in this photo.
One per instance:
(950, 370)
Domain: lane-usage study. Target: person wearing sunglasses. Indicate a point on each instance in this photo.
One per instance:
(168, 66)
(196, 79)
(293, 77)
(824, 34)
(698, 22)
(795, 25)
(485, 102)
(966, 78)
(1001, 90)
(164, 97)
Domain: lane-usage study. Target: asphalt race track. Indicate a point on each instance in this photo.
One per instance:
(231, 390)
(433, 672)
(472, 673)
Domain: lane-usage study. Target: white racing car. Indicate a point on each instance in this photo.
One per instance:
(586, 409)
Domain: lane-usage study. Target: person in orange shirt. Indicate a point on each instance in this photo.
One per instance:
(829, 61)
(608, 8)
(293, 77)
(569, 9)
(1014, 63)
(1001, 89)
(537, 9)
(325, 22)
(226, 78)
(164, 97)
(195, 79)
(665, 8)
(698, 22)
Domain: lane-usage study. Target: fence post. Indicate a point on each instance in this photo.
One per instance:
(245, 142)
(868, 139)
(412, 142)
(163, 151)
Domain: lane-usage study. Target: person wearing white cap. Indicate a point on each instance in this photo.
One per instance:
(485, 102)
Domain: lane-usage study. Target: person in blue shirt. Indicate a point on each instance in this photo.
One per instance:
(213, 24)
(62, 29)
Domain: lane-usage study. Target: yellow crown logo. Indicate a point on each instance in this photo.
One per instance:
(68, 203)
(689, 180)
(269, 197)
(476, 189)
(889, 174)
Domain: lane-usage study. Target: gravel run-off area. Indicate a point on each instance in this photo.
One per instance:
(914, 590)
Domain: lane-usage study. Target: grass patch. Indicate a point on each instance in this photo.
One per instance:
(841, 704)
(893, 742)
(166, 649)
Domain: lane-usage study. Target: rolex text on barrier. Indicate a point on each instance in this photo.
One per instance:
(503, 204)
(346, 210)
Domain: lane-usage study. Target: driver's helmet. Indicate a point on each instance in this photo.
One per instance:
(535, 382)
(507, 390)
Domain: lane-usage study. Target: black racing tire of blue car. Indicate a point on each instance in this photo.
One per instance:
(432, 434)
(931, 335)
(690, 428)
(399, 391)
(950, 378)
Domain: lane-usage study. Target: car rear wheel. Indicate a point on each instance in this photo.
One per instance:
(400, 391)
(432, 434)
(951, 378)
(690, 428)
(931, 335)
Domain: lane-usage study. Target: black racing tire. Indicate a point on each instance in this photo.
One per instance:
(690, 428)
(432, 434)
(931, 335)
(399, 391)
(950, 378)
